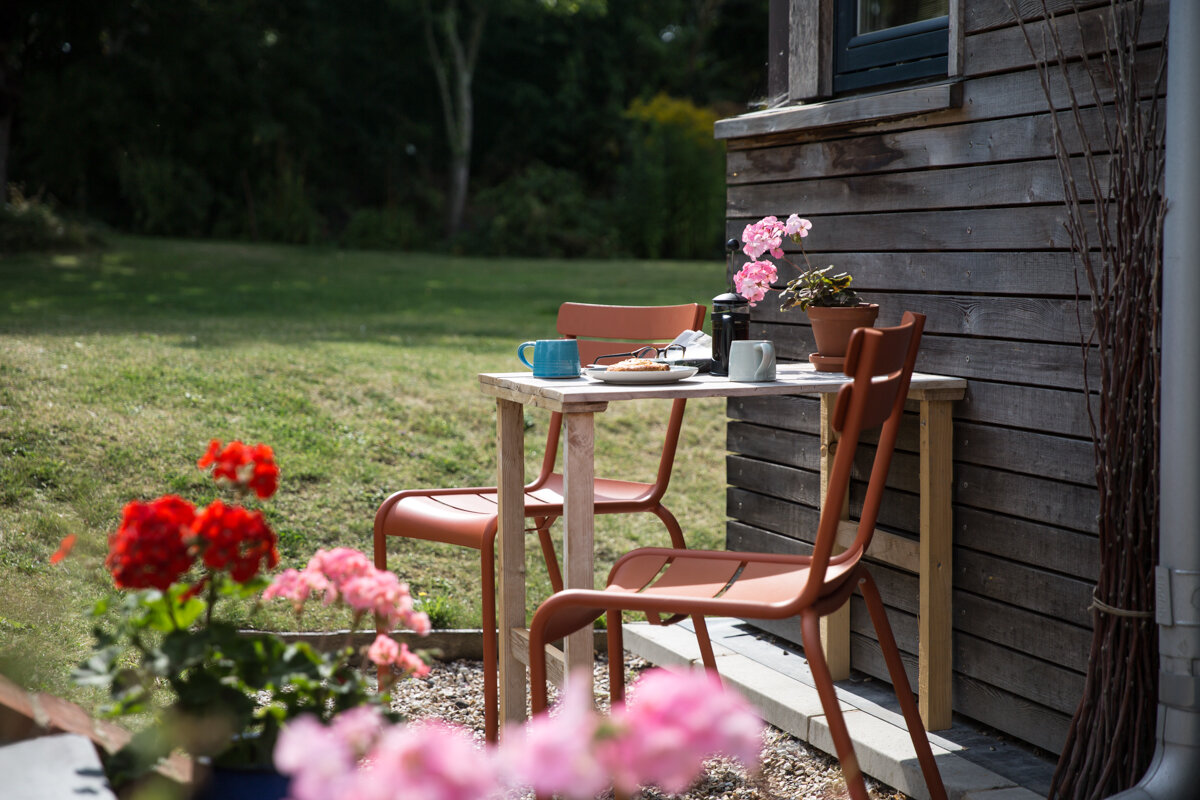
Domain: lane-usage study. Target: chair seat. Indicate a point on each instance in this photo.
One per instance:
(467, 517)
(766, 586)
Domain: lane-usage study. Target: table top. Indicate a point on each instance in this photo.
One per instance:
(586, 394)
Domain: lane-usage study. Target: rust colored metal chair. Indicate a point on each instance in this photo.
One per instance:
(468, 516)
(773, 586)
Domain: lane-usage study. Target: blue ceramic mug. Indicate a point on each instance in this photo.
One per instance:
(552, 358)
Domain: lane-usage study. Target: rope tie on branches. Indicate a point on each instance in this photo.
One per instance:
(1100, 605)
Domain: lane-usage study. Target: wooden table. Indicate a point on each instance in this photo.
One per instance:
(579, 399)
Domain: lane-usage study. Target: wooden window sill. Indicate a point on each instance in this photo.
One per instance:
(843, 111)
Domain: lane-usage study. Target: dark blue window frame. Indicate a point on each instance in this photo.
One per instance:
(895, 55)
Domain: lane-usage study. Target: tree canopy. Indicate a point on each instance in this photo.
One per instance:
(316, 120)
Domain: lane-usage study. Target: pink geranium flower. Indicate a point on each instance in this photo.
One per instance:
(754, 279)
(797, 227)
(763, 236)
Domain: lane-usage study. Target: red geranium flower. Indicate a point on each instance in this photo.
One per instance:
(245, 467)
(264, 480)
(149, 550)
(230, 537)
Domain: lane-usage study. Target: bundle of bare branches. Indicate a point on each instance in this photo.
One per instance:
(1115, 221)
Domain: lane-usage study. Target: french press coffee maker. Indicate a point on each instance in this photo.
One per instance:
(730, 320)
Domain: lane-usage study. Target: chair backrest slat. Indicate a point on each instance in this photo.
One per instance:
(602, 330)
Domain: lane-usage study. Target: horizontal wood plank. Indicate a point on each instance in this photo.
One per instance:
(1043, 682)
(1027, 452)
(1062, 504)
(975, 187)
(983, 229)
(1034, 363)
(1025, 273)
(1038, 319)
(1035, 408)
(1021, 585)
(992, 141)
(1006, 48)
(982, 15)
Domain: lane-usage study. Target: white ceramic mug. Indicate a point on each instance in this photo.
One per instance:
(752, 361)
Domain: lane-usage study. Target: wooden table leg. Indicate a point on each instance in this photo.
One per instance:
(579, 529)
(835, 627)
(935, 651)
(510, 483)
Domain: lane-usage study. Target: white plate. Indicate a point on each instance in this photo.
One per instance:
(648, 376)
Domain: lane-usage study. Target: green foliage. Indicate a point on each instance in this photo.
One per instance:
(227, 693)
(816, 287)
(671, 189)
(168, 198)
(29, 224)
(288, 215)
(388, 228)
(544, 211)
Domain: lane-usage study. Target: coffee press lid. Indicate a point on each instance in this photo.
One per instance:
(730, 302)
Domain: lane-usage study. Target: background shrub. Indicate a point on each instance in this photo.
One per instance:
(32, 224)
(167, 197)
(670, 192)
(288, 215)
(544, 211)
(389, 228)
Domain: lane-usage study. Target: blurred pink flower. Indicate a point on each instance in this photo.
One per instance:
(378, 592)
(672, 723)
(383, 650)
(410, 662)
(431, 760)
(318, 758)
(555, 753)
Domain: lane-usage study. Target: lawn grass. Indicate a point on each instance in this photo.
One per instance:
(117, 367)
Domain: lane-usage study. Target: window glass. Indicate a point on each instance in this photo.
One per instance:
(878, 15)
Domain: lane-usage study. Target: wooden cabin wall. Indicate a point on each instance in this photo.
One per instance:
(957, 214)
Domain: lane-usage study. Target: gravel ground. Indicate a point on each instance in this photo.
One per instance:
(791, 770)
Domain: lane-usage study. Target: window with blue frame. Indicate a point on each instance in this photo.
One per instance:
(883, 42)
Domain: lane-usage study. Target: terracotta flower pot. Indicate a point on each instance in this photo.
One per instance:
(832, 326)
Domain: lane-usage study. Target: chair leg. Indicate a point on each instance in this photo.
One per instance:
(673, 528)
(616, 656)
(702, 639)
(891, 654)
(548, 553)
(811, 636)
(489, 623)
(383, 674)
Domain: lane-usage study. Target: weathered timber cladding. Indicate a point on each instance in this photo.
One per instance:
(955, 213)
